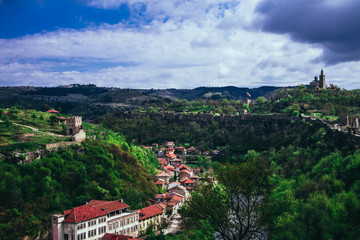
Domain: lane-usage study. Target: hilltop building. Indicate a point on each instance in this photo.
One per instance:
(94, 219)
(318, 83)
(75, 129)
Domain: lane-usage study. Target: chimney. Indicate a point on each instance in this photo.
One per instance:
(114, 237)
(121, 200)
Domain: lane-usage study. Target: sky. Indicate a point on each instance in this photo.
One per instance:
(179, 43)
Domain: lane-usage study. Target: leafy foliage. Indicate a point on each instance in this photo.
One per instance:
(108, 169)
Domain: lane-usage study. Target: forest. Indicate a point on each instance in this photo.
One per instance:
(310, 174)
(312, 190)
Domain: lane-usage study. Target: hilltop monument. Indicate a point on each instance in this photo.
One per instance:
(318, 83)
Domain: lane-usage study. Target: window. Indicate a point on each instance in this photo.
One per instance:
(101, 220)
(81, 236)
(102, 229)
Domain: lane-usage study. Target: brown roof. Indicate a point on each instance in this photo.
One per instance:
(162, 175)
(108, 206)
(159, 182)
(149, 212)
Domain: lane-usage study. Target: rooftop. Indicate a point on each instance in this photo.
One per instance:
(82, 213)
(150, 211)
(108, 206)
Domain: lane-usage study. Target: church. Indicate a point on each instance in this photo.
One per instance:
(318, 83)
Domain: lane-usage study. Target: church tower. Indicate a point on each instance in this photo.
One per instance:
(322, 84)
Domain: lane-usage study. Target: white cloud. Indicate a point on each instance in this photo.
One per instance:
(201, 44)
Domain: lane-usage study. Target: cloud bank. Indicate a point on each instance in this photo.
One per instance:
(170, 44)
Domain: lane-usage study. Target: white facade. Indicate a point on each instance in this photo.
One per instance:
(125, 223)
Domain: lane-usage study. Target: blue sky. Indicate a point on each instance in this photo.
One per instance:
(179, 43)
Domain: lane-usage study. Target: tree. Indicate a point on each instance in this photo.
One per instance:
(52, 119)
(33, 116)
(234, 205)
(260, 100)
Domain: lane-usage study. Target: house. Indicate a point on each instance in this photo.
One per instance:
(170, 155)
(163, 176)
(170, 144)
(178, 189)
(162, 161)
(185, 173)
(160, 183)
(186, 182)
(182, 150)
(160, 197)
(109, 236)
(150, 216)
(183, 167)
(94, 219)
(175, 161)
(61, 120)
(173, 184)
(175, 201)
(191, 150)
(169, 168)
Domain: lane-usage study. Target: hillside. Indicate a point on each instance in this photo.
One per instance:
(104, 168)
(313, 190)
(90, 101)
(213, 93)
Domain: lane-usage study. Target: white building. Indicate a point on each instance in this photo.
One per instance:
(94, 219)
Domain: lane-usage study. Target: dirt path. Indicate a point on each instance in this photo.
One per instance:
(37, 130)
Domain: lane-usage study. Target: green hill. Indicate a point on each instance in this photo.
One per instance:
(106, 167)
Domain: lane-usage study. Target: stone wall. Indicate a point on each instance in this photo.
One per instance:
(52, 146)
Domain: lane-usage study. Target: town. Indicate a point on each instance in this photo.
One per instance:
(114, 220)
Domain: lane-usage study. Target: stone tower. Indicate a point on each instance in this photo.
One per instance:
(322, 84)
(73, 125)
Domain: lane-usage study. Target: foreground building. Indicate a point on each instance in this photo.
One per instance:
(152, 216)
(94, 219)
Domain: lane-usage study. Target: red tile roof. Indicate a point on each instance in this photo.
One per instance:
(159, 196)
(176, 199)
(62, 118)
(181, 147)
(171, 155)
(52, 111)
(113, 236)
(159, 182)
(149, 212)
(82, 213)
(108, 206)
(169, 167)
(162, 205)
(188, 181)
